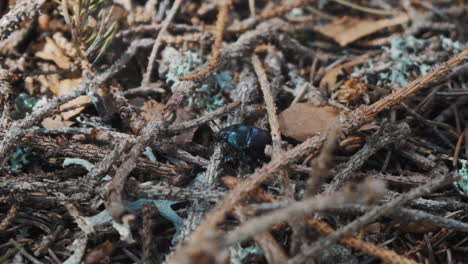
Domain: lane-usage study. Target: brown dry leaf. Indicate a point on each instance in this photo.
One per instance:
(302, 120)
(351, 91)
(66, 46)
(150, 108)
(54, 52)
(60, 87)
(59, 50)
(48, 82)
(329, 80)
(64, 87)
(184, 114)
(99, 253)
(346, 30)
(55, 122)
(81, 100)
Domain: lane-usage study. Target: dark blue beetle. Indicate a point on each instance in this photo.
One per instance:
(245, 138)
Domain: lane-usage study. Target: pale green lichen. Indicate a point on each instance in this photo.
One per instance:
(175, 64)
(149, 154)
(76, 161)
(242, 254)
(24, 104)
(19, 158)
(461, 185)
(209, 95)
(402, 53)
(410, 56)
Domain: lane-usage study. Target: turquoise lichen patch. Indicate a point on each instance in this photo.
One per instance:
(406, 59)
(19, 158)
(243, 253)
(175, 64)
(76, 161)
(25, 103)
(224, 81)
(402, 53)
(462, 184)
(208, 96)
(149, 154)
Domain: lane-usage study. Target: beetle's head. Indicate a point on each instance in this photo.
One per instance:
(222, 135)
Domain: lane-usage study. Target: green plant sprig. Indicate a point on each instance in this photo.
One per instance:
(90, 38)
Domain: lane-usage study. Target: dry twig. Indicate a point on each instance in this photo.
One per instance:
(157, 42)
(24, 9)
(216, 50)
(18, 128)
(442, 178)
(389, 256)
(9, 218)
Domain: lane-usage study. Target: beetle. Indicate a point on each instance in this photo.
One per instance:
(245, 138)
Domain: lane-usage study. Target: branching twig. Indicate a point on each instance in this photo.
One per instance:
(215, 53)
(274, 253)
(373, 145)
(148, 247)
(404, 214)
(78, 188)
(261, 223)
(23, 10)
(106, 163)
(389, 256)
(19, 247)
(116, 186)
(244, 45)
(18, 128)
(79, 220)
(442, 178)
(6, 101)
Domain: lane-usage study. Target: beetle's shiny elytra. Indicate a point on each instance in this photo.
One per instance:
(243, 137)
